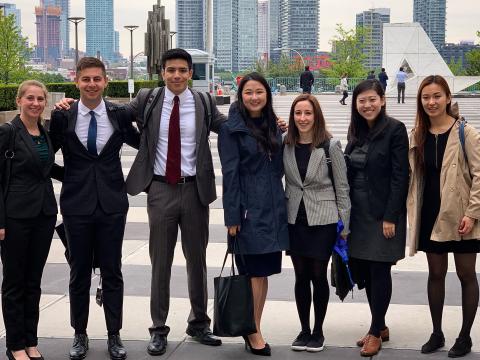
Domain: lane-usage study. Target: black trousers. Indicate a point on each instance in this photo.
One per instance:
(24, 253)
(101, 234)
(401, 91)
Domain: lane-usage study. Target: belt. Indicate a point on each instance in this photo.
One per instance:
(183, 179)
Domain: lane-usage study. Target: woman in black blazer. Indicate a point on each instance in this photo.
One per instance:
(377, 159)
(27, 219)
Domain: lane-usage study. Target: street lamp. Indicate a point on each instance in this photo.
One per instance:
(76, 20)
(131, 28)
(290, 49)
(172, 33)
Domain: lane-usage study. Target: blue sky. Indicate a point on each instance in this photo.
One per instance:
(462, 18)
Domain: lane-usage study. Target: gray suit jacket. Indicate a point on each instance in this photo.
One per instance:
(141, 173)
(317, 191)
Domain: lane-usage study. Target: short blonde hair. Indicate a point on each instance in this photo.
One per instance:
(26, 84)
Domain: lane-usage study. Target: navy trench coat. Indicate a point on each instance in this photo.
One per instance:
(253, 194)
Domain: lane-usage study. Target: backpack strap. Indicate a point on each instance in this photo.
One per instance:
(207, 102)
(151, 99)
(9, 155)
(326, 148)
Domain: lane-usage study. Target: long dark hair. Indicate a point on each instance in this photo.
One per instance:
(358, 129)
(320, 132)
(422, 122)
(266, 133)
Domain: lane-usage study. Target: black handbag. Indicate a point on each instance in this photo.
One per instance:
(233, 304)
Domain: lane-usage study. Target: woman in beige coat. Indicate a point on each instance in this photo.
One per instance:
(444, 205)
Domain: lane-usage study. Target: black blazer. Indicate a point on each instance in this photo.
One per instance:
(386, 169)
(30, 190)
(91, 180)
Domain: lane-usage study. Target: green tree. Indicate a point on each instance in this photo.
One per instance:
(348, 55)
(456, 66)
(473, 61)
(14, 51)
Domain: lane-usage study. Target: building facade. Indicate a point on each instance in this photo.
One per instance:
(64, 5)
(431, 14)
(235, 34)
(372, 21)
(275, 30)
(47, 21)
(300, 20)
(456, 52)
(100, 32)
(263, 39)
(9, 9)
(191, 18)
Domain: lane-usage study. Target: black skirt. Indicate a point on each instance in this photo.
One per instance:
(312, 241)
(259, 265)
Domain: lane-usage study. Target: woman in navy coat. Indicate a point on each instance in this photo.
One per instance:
(250, 148)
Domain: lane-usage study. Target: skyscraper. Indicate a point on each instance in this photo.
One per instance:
(235, 34)
(191, 23)
(431, 14)
(9, 9)
(263, 30)
(99, 28)
(64, 5)
(372, 20)
(48, 33)
(300, 25)
(275, 29)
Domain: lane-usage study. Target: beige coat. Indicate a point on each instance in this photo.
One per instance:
(459, 192)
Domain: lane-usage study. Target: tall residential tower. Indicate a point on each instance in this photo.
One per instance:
(372, 20)
(191, 23)
(64, 5)
(431, 14)
(99, 28)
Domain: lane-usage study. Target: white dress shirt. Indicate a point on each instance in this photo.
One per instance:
(187, 134)
(104, 126)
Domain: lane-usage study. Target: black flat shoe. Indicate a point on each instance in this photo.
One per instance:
(80, 347)
(36, 357)
(204, 337)
(158, 344)
(9, 355)
(115, 348)
(462, 346)
(435, 342)
(265, 351)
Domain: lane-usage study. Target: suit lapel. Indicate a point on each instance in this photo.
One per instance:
(51, 155)
(153, 126)
(114, 121)
(314, 165)
(27, 140)
(292, 163)
(199, 118)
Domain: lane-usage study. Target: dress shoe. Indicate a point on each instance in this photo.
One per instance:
(158, 344)
(435, 342)
(265, 351)
(462, 346)
(204, 337)
(35, 357)
(300, 342)
(384, 334)
(80, 347)
(371, 346)
(115, 348)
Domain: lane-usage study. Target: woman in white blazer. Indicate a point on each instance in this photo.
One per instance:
(315, 204)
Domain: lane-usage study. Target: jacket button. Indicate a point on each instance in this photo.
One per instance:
(302, 188)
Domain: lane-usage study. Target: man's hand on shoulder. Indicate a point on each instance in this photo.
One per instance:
(64, 104)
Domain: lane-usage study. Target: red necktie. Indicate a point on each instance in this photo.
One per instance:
(172, 171)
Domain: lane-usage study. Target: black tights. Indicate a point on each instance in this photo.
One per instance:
(311, 270)
(437, 270)
(378, 286)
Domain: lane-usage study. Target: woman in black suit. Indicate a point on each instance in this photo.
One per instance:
(377, 153)
(27, 219)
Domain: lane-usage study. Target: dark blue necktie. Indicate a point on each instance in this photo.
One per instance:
(92, 134)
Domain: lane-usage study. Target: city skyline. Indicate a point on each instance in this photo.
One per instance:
(462, 24)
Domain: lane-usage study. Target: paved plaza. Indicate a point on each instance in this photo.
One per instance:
(408, 316)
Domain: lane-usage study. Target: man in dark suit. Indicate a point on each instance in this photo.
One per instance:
(306, 80)
(174, 165)
(93, 200)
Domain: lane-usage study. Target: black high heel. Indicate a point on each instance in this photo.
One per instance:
(265, 351)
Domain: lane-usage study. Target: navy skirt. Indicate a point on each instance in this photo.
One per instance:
(259, 265)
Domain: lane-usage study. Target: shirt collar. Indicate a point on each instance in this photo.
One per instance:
(99, 110)
(183, 96)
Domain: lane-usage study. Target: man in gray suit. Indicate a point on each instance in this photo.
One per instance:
(174, 166)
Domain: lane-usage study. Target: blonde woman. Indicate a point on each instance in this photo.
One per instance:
(27, 218)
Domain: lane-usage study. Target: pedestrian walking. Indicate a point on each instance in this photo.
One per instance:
(383, 77)
(371, 75)
(27, 218)
(401, 79)
(250, 149)
(316, 201)
(344, 88)
(377, 152)
(444, 193)
(306, 80)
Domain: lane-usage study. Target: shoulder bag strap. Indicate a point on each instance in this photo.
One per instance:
(326, 148)
(207, 103)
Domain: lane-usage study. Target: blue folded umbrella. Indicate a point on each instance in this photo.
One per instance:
(341, 274)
